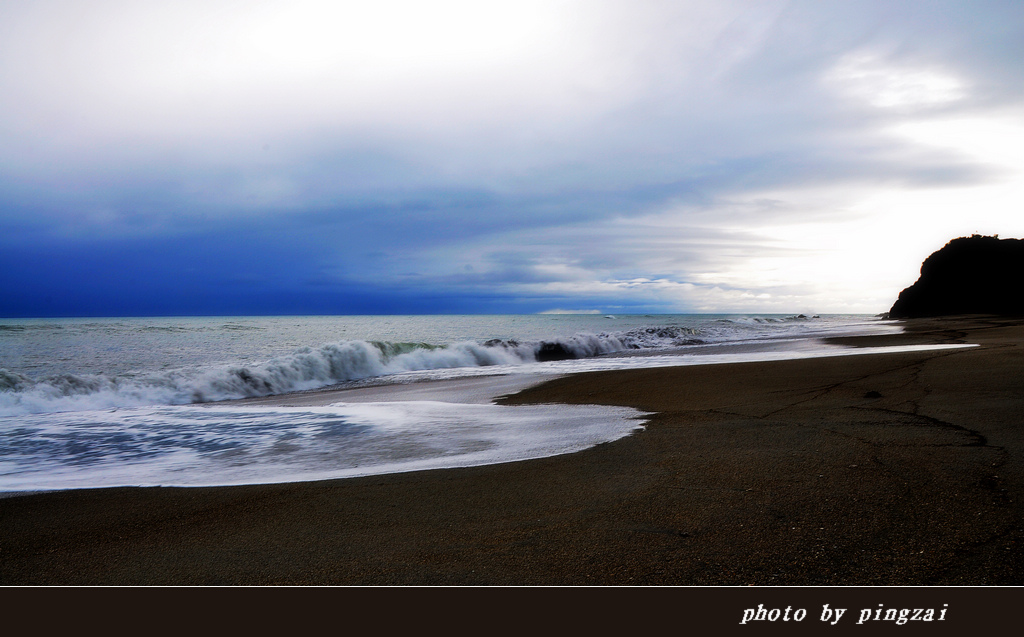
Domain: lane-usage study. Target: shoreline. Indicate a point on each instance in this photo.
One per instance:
(878, 469)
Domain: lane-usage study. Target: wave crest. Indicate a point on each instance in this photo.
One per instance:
(311, 368)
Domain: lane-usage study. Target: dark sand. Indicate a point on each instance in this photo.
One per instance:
(900, 469)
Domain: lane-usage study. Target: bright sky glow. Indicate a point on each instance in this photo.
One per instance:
(400, 157)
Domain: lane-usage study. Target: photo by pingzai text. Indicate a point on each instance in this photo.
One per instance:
(832, 616)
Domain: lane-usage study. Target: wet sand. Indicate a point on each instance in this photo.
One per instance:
(881, 469)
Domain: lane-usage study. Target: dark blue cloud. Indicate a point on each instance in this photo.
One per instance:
(313, 264)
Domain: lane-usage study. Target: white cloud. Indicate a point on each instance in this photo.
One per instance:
(883, 84)
(92, 72)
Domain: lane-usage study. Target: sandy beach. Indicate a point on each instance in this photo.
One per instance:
(881, 469)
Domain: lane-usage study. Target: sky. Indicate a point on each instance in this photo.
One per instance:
(394, 157)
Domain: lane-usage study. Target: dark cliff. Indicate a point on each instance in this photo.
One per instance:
(969, 275)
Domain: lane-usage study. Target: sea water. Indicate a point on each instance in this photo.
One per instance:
(147, 401)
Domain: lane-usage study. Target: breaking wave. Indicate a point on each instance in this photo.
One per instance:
(310, 368)
(767, 320)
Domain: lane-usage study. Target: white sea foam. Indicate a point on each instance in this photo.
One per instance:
(205, 446)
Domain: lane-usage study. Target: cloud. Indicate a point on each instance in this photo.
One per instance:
(660, 156)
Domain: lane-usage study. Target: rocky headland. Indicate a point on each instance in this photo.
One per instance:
(969, 275)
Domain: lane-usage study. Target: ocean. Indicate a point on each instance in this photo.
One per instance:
(154, 401)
